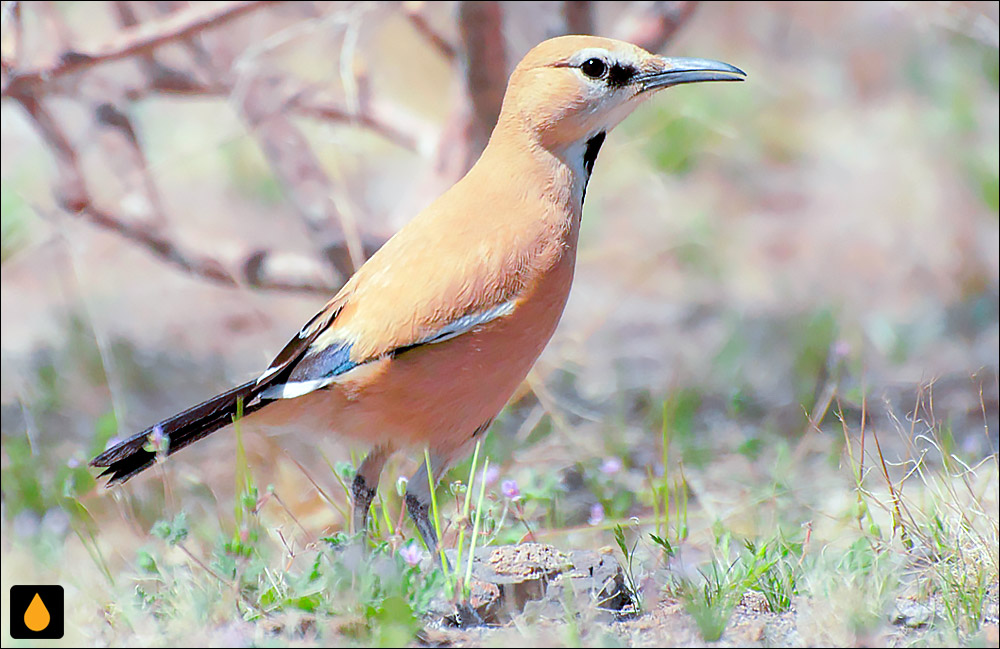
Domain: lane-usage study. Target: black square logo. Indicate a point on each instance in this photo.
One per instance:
(36, 612)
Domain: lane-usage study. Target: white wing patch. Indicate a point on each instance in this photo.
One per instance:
(468, 322)
(295, 389)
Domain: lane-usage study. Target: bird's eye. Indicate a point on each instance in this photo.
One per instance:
(594, 68)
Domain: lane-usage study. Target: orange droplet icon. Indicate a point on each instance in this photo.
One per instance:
(36, 617)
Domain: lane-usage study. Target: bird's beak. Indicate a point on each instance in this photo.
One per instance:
(674, 71)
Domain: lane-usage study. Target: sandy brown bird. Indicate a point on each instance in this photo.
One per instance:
(428, 340)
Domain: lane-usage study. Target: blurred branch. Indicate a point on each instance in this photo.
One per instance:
(298, 170)
(156, 73)
(304, 101)
(654, 26)
(139, 39)
(579, 17)
(126, 17)
(74, 196)
(414, 12)
(111, 116)
(307, 105)
(480, 25)
(263, 99)
(264, 106)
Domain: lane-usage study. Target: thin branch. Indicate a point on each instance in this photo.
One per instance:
(297, 168)
(305, 102)
(114, 118)
(320, 109)
(579, 17)
(481, 28)
(414, 12)
(156, 73)
(408, 133)
(263, 99)
(126, 16)
(132, 41)
(264, 106)
(74, 196)
(657, 25)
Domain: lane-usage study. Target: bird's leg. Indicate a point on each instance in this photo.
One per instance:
(418, 500)
(365, 484)
(418, 504)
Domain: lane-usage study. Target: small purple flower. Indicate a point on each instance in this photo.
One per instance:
(841, 349)
(411, 553)
(611, 466)
(73, 463)
(510, 490)
(490, 474)
(596, 514)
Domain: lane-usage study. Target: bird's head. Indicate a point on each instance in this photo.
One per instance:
(569, 89)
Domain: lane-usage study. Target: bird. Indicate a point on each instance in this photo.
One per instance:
(427, 341)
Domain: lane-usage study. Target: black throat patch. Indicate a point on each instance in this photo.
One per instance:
(590, 156)
(593, 148)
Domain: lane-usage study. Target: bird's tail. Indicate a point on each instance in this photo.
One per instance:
(140, 451)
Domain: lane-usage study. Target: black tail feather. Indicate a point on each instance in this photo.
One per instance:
(135, 454)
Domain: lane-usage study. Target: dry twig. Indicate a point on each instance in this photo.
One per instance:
(653, 28)
(481, 28)
(74, 196)
(137, 40)
(579, 17)
(414, 12)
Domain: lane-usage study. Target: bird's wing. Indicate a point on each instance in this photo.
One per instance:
(425, 287)
(321, 357)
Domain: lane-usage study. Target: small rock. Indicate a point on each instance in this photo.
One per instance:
(912, 614)
(754, 602)
(532, 578)
(518, 563)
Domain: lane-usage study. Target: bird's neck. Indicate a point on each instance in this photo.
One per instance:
(534, 197)
(558, 172)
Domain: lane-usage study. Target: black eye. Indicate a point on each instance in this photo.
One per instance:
(594, 68)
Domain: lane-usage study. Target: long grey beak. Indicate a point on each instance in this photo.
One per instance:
(683, 70)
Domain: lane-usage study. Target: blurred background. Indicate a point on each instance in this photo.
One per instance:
(184, 185)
